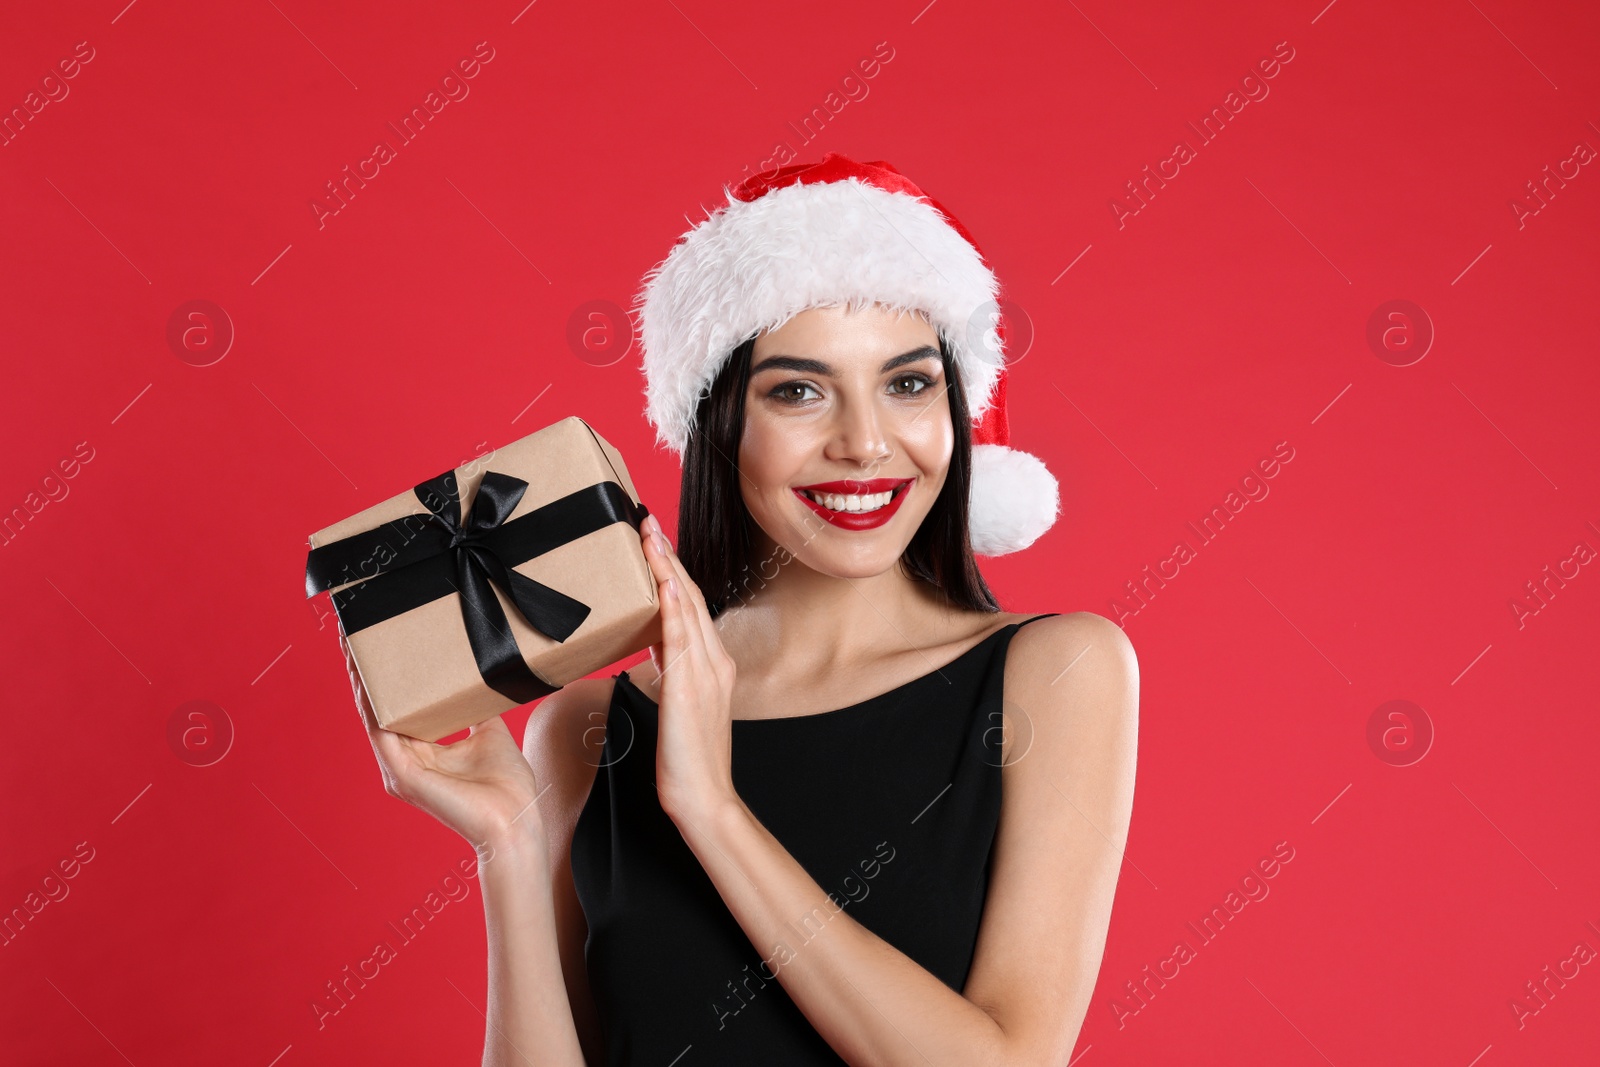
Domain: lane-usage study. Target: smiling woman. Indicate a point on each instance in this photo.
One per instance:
(808, 353)
(816, 379)
(764, 409)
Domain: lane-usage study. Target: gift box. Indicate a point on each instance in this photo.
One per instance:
(493, 584)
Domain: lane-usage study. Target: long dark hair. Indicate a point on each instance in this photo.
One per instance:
(714, 526)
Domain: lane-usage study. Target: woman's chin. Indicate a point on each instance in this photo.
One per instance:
(854, 559)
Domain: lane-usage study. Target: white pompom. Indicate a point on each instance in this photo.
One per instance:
(1015, 499)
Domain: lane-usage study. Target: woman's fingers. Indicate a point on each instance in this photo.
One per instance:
(684, 619)
(358, 689)
(395, 756)
(694, 603)
(677, 641)
(695, 600)
(474, 786)
(493, 724)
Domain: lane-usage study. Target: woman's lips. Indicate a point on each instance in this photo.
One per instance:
(853, 485)
(858, 520)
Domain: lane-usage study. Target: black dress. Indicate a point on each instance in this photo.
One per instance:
(891, 805)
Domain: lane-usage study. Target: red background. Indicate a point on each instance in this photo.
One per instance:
(418, 324)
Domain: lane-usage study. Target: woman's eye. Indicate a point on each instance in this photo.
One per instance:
(786, 392)
(921, 382)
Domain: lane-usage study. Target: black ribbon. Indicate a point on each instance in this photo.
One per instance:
(418, 559)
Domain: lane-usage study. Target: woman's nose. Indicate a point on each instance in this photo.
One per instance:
(859, 436)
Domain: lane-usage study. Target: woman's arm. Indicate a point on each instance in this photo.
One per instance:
(540, 1008)
(529, 1021)
(483, 788)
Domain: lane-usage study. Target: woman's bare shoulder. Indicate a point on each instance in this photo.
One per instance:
(563, 740)
(1042, 651)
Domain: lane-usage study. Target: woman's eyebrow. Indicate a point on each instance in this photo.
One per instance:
(817, 366)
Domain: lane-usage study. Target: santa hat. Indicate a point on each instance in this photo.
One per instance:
(838, 233)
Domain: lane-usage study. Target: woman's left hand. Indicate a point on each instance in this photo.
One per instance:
(694, 746)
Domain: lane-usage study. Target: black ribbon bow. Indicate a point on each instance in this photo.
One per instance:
(418, 559)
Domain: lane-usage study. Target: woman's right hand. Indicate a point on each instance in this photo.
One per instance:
(481, 786)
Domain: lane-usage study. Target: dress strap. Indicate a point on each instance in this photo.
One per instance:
(1036, 618)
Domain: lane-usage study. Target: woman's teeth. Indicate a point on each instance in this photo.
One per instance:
(850, 502)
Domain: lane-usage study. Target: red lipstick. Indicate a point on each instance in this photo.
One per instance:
(858, 520)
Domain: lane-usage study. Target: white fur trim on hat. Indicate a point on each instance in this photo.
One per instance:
(1014, 500)
(755, 264)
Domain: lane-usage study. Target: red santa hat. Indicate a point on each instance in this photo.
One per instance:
(841, 233)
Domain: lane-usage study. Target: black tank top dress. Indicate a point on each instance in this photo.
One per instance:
(891, 805)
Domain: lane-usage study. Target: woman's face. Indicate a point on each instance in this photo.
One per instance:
(849, 397)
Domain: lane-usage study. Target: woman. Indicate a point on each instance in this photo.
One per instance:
(818, 833)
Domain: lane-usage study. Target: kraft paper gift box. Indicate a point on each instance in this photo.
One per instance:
(493, 584)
